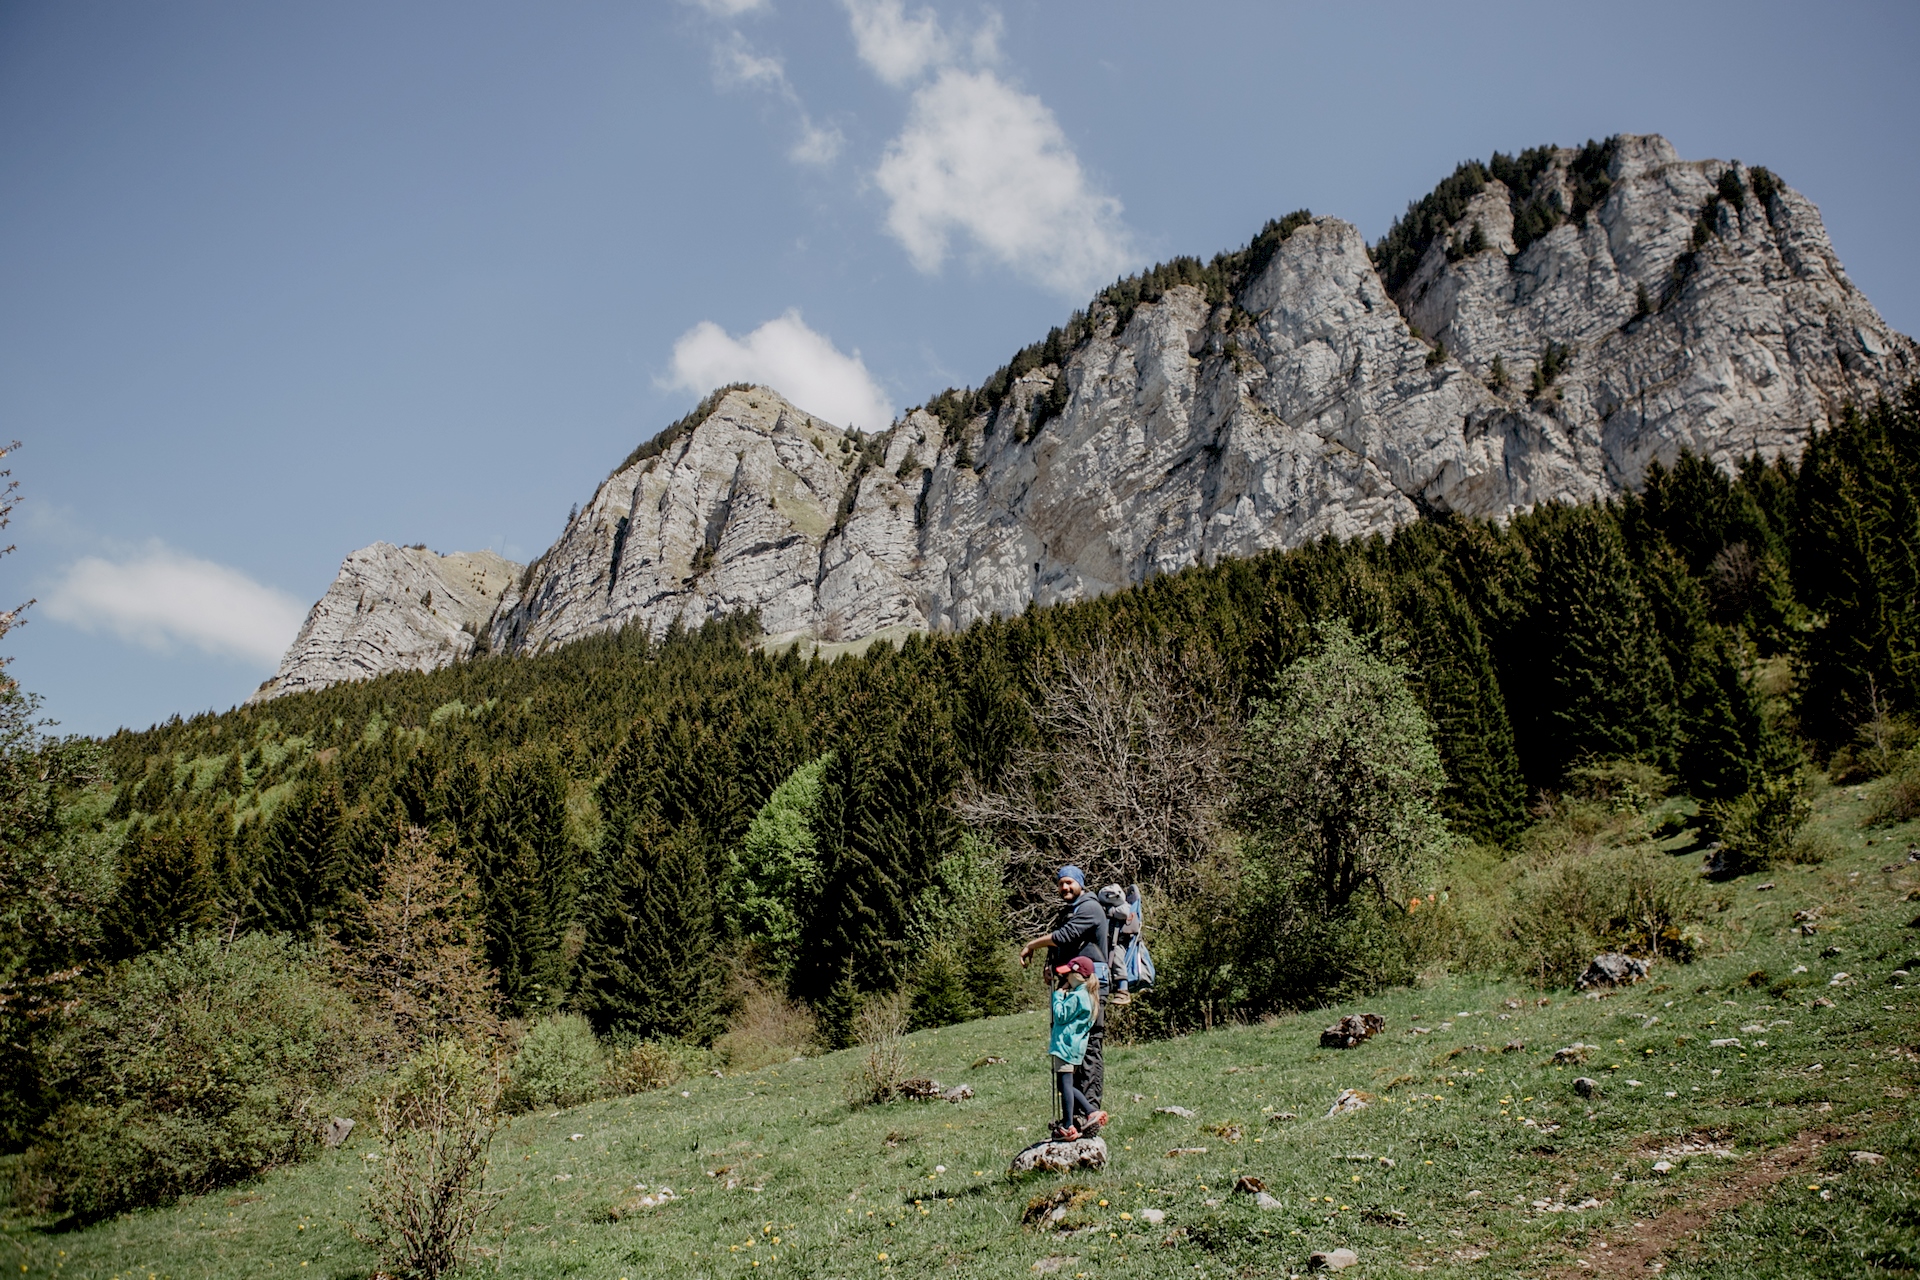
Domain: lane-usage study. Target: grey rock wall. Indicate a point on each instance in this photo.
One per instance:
(1316, 403)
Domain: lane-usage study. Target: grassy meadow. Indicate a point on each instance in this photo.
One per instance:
(1473, 1160)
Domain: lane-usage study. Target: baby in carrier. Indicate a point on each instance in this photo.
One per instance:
(1076, 999)
(1127, 959)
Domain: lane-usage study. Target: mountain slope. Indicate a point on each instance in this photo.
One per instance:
(1538, 344)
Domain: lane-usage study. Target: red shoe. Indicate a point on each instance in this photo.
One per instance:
(1070, 1134)
(1098, 1120)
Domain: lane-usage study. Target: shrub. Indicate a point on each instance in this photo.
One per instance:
(1900, 795)
(424, 1194)
(767, 1027)
(882, 1027)
(186, 1069)
(642, 1065)
(1625, 786)
(1759, 826)
(559, 1064)
(1563, 912)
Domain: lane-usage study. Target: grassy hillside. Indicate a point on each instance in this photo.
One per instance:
(1473, 1161)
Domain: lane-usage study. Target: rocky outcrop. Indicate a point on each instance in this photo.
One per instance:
(393, 609)
(1697, 305)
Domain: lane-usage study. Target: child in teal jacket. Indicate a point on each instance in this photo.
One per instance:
(1076, 999)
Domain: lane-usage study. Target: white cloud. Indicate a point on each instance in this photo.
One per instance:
(160, 597)
(802, 365)
(737, 65)
(732, 8)
(981, 158)
(896, 47)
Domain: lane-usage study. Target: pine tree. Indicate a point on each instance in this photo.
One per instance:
(168, 885)
(649, 967)
(526, 876)
(302, 879)
(1455, 680)
(1600, 685)
(1722, 730)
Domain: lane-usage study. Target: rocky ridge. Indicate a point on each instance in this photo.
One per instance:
(1697, 305)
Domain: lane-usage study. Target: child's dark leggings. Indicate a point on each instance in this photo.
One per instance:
(1073, 1103)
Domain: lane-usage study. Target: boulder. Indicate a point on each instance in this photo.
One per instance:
(1611, 969)
(1332, 1260)
(1059, 1157)
(337, 1130)
(1352, 1030)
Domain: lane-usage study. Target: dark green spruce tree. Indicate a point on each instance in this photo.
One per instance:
(169, 883)
(526, 873)
(1454, 677)
(302, 872)
(1599, 682)
(1723, 733)
(649, 965)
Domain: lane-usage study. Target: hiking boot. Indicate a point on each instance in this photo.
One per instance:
(1096, 1122)
(1070, 1134)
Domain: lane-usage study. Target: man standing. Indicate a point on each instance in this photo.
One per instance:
(1079, 929)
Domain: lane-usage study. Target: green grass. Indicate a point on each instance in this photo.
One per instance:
(776, 1170)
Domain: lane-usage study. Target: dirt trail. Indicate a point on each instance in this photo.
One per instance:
(1636, 1248)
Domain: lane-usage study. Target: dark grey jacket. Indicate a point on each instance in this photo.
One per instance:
(1079, 929)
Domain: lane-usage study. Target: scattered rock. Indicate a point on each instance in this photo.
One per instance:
(1821, 1002)
(1058, 1157)
(1249, 1185)
(1868, 1157)
(1333, 1260)
(1265, 1201)
(1838, 979)
(1587, 1087)
(1514, 1046)
(337, 1130)
(991, 1060)
(1611, 969)
(1575, 1052)
(1762, 888)
(1352, 1030)
(1047, 1266)
(1663, 1166)
(1182, 1112)
(642, 1202)
(959, 1093)
(920, 1089)
(1899, 975)
(1350, 1100)
(1226, 1132)
(575, 1137)
(1152, 1217)
(1726, 1042)
(1828, 953)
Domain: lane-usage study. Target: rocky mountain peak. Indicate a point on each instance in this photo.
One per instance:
(1540, 328)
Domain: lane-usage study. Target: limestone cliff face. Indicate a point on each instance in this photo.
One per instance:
(1311, 402)
(393, 609)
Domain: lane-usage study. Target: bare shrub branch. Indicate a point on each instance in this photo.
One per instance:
(1130, 775)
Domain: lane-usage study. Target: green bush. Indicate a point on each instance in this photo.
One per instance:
(188, 1068)
(1758, 827)
(559, 1064)
(1561, 913)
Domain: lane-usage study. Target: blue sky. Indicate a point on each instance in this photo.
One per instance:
(277, 281)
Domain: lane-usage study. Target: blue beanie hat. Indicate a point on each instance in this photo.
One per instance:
(1071, 872)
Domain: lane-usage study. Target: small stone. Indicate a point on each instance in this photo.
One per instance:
(1573, 1053)
(1350, 1100)
(959, 1093)
(1663, 1166)
(1828, 953)
(1611, 969)
(1265, 1201)
(575, 1137)
(1587, 1087)
(1332, 1260)
(1248, 1185)
(1868, 1157)
(1153, 1217)
(991, 1060)
(1182, 1112)
(1281, 1117)
(1515, 1046)
(1047, 1266)
(1352, 1030)
(1186, 1151)
(337, 1130)
(1762, 888)
(1058, 1157)
(1838, 979)
(1729, 1042)
(1821, 1002)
